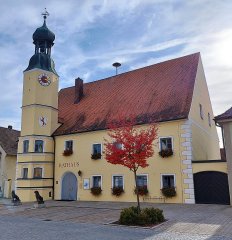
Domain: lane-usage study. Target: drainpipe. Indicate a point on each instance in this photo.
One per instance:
(53, 195)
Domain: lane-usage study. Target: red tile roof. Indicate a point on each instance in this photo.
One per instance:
(161, 92)
(9, 140)
(224, 116)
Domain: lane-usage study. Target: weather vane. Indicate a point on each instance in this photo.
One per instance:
(45, 14)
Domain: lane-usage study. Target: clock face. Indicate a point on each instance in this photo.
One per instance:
(43, 121)
(44, 80)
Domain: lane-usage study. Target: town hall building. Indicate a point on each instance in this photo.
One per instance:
(61, 146)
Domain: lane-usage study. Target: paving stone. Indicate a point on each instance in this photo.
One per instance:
(184, 221)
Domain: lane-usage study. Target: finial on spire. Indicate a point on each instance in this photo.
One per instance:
(45, 14)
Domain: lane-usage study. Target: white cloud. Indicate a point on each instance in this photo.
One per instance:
(91, 35)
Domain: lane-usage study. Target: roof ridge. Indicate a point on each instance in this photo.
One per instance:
(10, 129)
(137, 69)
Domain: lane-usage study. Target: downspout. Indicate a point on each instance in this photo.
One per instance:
(223, 141)
(54, 168)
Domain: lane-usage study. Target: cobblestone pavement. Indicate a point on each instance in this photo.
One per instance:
(89, 220)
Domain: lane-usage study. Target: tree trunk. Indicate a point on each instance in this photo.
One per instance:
(137, 192)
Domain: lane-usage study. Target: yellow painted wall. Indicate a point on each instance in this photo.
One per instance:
(217, 166)
(205, 143)
(48, 144)
(42, 96)
(7, 171)
(227, 135)
(28, 195)
(34, 93)
(82, 149)
(9, 174)
(38, 101)
(30, 118)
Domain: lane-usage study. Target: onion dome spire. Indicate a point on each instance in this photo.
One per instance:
(43, 39)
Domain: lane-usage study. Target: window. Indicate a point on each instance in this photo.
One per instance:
(141, 180)
(25, 146)
(117, 181)
(201, 111)
(209, 119)
(97, 181)
(165, 143)
(168, 181)
(69, 145)
(97, 148)
(38, 146)
(96, 151)
(118, 145)
(25, 172)
(38, 172)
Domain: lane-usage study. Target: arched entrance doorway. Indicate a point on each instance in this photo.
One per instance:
(69, 187)
(211, 187)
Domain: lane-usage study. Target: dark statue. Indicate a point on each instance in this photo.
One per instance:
(15, 198)
(39, 198)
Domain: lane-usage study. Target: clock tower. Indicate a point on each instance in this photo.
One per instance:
(35, 158)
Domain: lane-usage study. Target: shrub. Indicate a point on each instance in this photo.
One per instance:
(166, 153)
(96, 191)
(169, 192)
(117, 191)
(147, 216)
(142, 190)
(96, 156)
(155, 214)
(68, 152)
(128, 216)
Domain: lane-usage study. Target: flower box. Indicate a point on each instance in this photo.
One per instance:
(142, 190)
(169, 192)
(166, 153)
(96, 191)
(67, 152)
(96, 156)
(117, 191)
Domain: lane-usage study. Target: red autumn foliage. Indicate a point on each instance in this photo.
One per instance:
(137, 145)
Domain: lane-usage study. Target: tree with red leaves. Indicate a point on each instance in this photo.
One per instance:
(130, 146)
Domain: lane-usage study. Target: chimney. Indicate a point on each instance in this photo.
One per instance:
(10, 127)
(78, 90)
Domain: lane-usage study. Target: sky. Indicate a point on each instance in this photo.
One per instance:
(93, 34)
